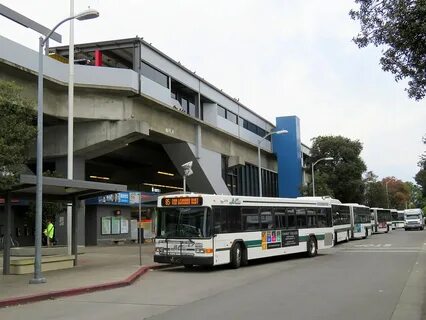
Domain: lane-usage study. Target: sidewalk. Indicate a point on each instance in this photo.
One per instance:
(97, 266)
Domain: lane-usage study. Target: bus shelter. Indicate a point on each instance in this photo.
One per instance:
(54, 190)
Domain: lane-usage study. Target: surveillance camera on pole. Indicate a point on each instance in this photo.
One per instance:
(187, 171)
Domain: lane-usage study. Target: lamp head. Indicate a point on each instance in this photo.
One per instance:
(87, 14)
(187, 168)
(329, 158)
(280, 132)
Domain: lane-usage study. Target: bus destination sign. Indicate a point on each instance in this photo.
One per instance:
(182, 202)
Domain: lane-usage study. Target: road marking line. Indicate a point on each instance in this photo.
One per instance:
(382, 251)
(387, 248)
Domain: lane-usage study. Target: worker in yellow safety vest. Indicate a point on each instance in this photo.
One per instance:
(48, 232)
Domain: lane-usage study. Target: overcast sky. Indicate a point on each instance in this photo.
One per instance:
(279, 57)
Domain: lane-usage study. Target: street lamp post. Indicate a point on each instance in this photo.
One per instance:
(313, 173)
(258, 155)
(38, 278)
(387, 192)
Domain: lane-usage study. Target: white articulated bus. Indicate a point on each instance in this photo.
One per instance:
(341, 218)
(381, 220)
(360, 220)
(202, 229)
(397, 219)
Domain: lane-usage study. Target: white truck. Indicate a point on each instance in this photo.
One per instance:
(413, 219)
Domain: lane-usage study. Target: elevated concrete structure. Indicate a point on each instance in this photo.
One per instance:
(115, 107)
(138, 116)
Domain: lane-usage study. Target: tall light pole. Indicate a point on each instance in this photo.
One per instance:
(387, 192)
(313, 172)
(38, 278)
(258, 155)
(70, 152)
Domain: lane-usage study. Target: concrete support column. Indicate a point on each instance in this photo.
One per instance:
(79, 172)
(6, 239)
(198, 141)
(74, 247)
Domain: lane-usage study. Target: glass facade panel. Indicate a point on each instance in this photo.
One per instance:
(154, 75)
(243, 181)
(191, 109)
(231, 116)
(221, 111)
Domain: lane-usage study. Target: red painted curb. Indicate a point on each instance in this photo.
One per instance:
(76, 291)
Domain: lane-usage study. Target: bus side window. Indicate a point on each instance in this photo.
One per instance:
(301, 217)
(291, 218)
(321, 217)
(312, 218)
(250, 219)
(279, 219)
(266, 222)
(329, 218)
(226, 219)
(219, 219)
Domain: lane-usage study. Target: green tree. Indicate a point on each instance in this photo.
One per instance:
(399, 27)
(421, 175)
(416, 197)
(17, 132)
(398, 192)
(341, 177)
(375, 192)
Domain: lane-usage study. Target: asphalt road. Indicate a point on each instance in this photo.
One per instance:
(376, 278)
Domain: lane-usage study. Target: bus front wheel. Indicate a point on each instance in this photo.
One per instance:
(236, 255)
(312, 247)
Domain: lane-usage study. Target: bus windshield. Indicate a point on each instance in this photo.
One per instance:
(184, 223)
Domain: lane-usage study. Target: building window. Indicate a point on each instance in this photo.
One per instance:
(154, 75)
(253, 128)
(231, 117)
(191, 109)
(221, 111)
(243, 180)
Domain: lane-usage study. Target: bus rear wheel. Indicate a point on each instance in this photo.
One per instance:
(236, 256)
(312, 247)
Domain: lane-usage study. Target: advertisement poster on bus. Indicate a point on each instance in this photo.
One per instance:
(290, 238)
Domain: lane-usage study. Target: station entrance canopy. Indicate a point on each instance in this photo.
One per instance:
(54, 189)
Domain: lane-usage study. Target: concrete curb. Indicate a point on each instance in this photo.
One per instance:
(77, 291)
(411, 303)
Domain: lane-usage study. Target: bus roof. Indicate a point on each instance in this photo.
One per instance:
(327, 199)
(235, 200)
(356, 205)
(416, 210)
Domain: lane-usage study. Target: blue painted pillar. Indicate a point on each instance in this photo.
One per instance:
(287, 147)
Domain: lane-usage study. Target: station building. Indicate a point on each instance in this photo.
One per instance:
(138, 116)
